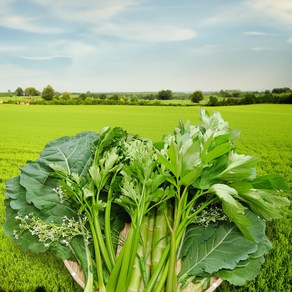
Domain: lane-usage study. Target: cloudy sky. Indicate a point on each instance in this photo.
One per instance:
(145, 45)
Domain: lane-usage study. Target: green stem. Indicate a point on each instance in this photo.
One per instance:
(133, 252)
(139, 270)
(100, 238)
(161, 283)
(89, 287)
(107, 229)
(171, 277)
(171, 283)
(113, 278)
(160, 265)
(157, 269)
(148, 247)
(101, 243)
(127, 248)
(98, 260)
(135, 281)
(159, 236)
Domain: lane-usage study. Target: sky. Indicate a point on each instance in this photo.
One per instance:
(145, 45)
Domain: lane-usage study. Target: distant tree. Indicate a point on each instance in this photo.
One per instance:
(196, 96)
(66, 96)
(281, 90)
(134, 98)
(224, 93)
(115, 97)
(82, 96)
(285, 98)
(48, 93)
(150, 96)
(235, 93)
(102, 96)
(31, 91)
(19, 91)
(213, 101)
(248, 98)
(164, 94)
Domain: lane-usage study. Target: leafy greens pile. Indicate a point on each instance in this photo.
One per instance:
(194, 207)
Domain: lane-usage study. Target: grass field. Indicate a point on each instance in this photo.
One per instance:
(24, 130)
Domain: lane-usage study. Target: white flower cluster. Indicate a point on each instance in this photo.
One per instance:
(50, 233)
(61, 194)
(208, 215)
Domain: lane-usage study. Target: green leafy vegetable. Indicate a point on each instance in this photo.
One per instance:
(187, 203)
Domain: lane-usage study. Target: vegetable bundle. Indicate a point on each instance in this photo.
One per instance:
(190, 202)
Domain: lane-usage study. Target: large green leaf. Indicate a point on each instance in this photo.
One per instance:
(16, 197)
(211, 172)
(240, 167)
(33, 191)
(220, 251)
(267, 201)
(16, 205)
(210, 250)
(195, 231)
(232, 207)
(73, 153)
(241, 274)
(216, 152)
(271, 181)
(248, 269)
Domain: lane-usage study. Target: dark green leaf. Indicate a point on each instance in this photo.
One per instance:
(210, 174)
(191, 177)
(207, 256)
(218, 151)
(241, 274)
(72, 153)
(166, 163)
(270, 182)
(265, 203)
(194, 232)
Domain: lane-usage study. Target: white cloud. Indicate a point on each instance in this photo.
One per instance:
(208, 49)
(278, 9)
(42, 58)
(147, 32)
(261, 49)
(27, 24)
(255, 33)
(73, 11)
(228, 15)
(90, 11)
(71, 48)
(289, 40)
(6, 48)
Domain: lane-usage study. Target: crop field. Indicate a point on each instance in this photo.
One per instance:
(266, 132)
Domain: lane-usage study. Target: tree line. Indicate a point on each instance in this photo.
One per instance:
(277, 95)
(221, 98)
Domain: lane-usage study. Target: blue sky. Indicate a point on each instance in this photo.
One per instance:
(145, 45)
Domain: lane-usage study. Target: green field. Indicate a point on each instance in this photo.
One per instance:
(24, 130)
